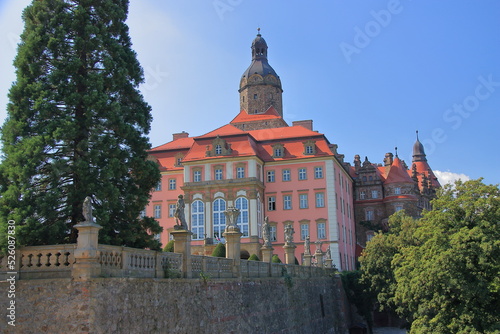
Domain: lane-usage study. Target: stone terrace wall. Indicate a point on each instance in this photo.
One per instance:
(146, 305)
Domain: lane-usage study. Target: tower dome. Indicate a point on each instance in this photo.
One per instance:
(260, 86)
(418, 151)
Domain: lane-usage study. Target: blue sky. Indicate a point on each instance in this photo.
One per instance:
(369, 73)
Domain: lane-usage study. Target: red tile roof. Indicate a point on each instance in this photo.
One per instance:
(243, 116)
(397, 173)
(181, 143)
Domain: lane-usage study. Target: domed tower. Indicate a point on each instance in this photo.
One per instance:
(260, 86)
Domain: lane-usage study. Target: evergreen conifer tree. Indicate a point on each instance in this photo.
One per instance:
(77, 126)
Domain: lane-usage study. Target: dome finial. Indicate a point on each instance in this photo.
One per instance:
(258, 31)
(396, 149)
(417, 134)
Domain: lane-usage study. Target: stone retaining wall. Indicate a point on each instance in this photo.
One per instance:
(146, 305)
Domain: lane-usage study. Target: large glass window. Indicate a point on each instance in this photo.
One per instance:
(321, 230)
(198, 220)
(273, 233)
(318, 172)
(287, 202)
(304, 231)
(218, 173)
(271, 203)
(219, 218)
(197, 176)
(240, 172)
(320, 200)
(302, 174)
(303, 202)
(172, 184)
(286, 175)
(157, 211)
(242, 221)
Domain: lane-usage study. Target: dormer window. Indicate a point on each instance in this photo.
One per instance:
(309, 147)
(178, 160)
(219, 147)
(278, 151)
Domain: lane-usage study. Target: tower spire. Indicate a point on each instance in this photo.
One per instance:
(418, 151)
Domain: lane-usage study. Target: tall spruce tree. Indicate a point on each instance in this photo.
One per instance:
(77, 127)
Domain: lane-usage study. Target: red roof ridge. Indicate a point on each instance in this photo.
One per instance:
(243, 116)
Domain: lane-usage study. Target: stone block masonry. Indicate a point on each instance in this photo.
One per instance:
(146, 305)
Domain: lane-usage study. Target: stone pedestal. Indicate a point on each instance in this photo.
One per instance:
(233, 244)
(87, 252)
(329, 263)
(319, 259)
(267, 253)
(307, 260)
(182, 244)
(289, 253)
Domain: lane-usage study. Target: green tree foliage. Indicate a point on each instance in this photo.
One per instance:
(446, 277)
(77, 127)
(220, 250)
(253, 257)
(276, 259)
(169, 247)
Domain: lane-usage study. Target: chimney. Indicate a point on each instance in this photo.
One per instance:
(180, 135)
(308, 124)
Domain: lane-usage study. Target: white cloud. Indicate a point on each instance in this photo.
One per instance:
(450, 177)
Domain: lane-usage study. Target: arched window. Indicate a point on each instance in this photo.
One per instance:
(219, 218)
(242, 221)
(198, 220)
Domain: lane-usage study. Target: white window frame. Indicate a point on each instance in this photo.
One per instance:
(303, 201)
(318, 172)
(271, 177)
(302, 174)
(287, 202)
(286, 175)
(320, 200)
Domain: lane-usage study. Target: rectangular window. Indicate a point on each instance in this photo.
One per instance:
(171, 209)
(321, 231)
(197, 176)
(302, 174)
(273, 233)
(278, 152)
(287, 202)
(320, 200)
(142, 214)
(318, 172)
(309, 149)
(369, 214)
(270, 176)
(303, 202)
(172, 184)
(374, 194)
(158, 186)
(362, 195)
(398, 208)
(286, 175)
(304, 231)
(218, 174)
(157, 211)
(397, 191)
(271, 203)
(240, 172)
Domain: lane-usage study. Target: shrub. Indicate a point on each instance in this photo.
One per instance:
(169, 247)
(253, 257)
(220, 250)
(276, 259)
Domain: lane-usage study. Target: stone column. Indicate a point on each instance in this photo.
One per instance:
(289, 253)
(87, 252)
(267, 253)
(233, 235)
(182, 244)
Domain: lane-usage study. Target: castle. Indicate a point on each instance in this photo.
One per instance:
(292, 175)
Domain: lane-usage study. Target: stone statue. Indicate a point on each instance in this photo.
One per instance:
(307, 246)
(87, 210)
(180, 219)
(266, 232)
(328, 253)
(289, 234)
(232, 214)
(318, 246)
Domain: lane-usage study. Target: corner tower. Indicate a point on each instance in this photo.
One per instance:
(260, 86)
